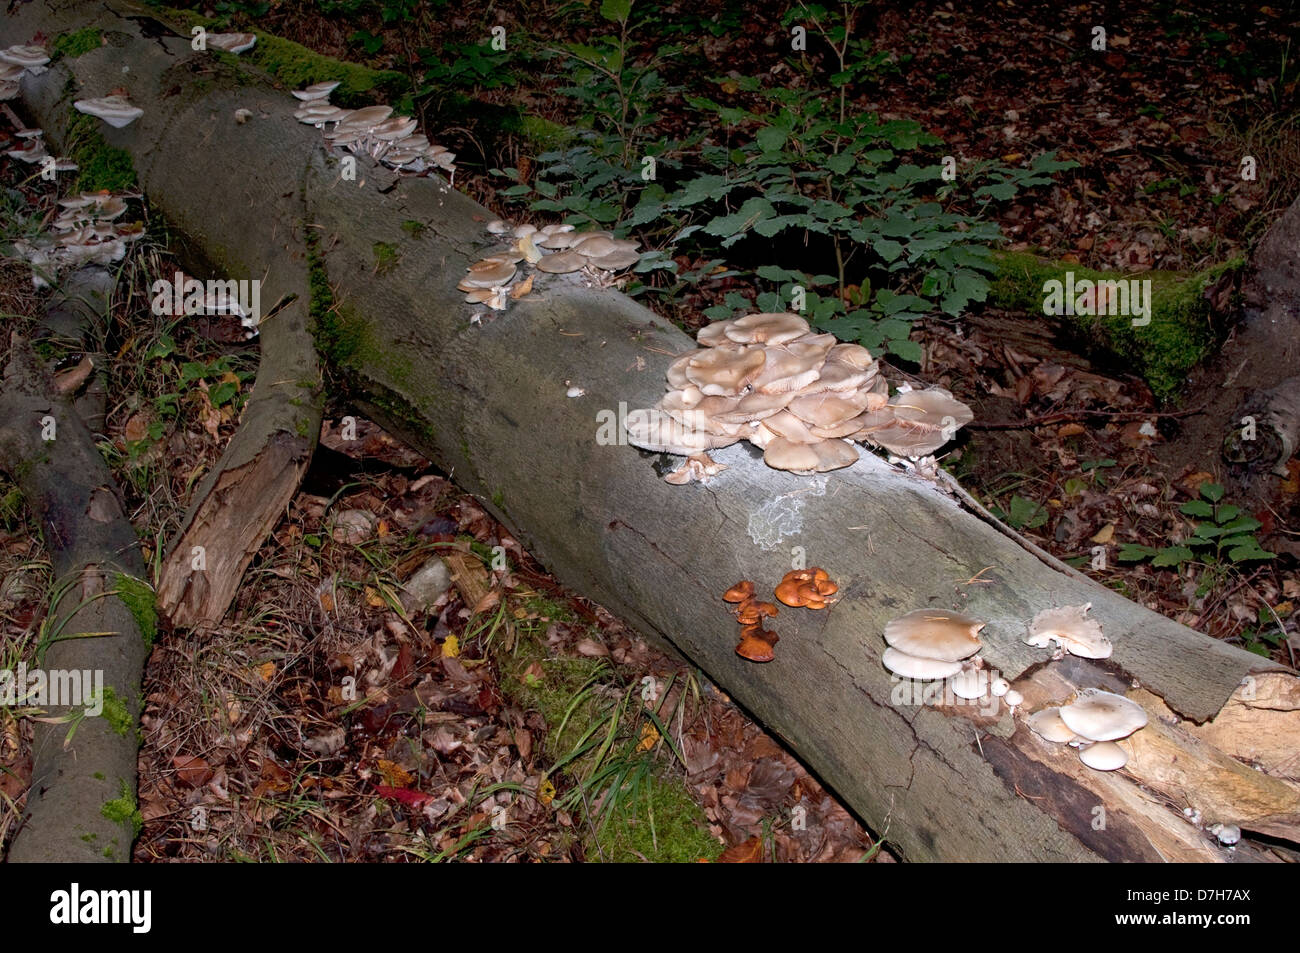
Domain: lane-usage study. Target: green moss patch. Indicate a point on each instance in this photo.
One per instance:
(76, 43)
(1179, 336)
(138, 597)
(386, 257)
(99, 165)
(296, 66)
(123, 810)
(116, 713)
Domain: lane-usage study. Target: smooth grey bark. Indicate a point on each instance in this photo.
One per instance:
(81, 805)
(487, 403)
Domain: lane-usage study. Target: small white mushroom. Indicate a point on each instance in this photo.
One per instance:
(1013, 698)
(1228, 834)
(114, 110)
(1047, 724)
(922, 669)
(935, 633)
(1104, 756)
(1103, 716)
(28, 57)
(232, 42)
(1070, 628)
(999, 687)
(970, 683)
(316, 91)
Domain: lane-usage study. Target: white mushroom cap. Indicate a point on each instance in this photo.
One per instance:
(1104, 756)
(652, 429)
(316, 91)
(923, 669)
(724, 371)
(1103, 716)
(794, 364)
(523, 229)
(232, 42)
(1013, 698)
(489, 273)
(28, 57)
(999, 687)
(1069, 627)
(711, 335)
(935, 634)
(616, 260)
(767, 328)
(8, 89)
(560, 239)
(114, 110)
(970, 683)
(561, 263)
(1047, 724)
(594, 244)
(782, 453)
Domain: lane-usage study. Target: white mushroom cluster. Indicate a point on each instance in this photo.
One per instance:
(116, 110)
(15, 61)
(552, 249)
(85, 232)
(373, 131)
(1072, 631)
(801, 397)
(33, 150)
(1093, 722)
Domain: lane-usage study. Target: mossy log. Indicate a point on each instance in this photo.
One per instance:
(488, 403)
(1163, 350)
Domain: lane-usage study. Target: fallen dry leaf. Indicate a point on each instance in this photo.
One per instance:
(749, 852)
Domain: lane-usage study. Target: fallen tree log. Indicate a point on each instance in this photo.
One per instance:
(81, 805)
(488, 403)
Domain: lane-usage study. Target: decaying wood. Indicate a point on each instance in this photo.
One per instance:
(488, 403)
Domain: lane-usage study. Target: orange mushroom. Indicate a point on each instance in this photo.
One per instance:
(756, 644)
(739, 592)
(809, 588)
(752, 612)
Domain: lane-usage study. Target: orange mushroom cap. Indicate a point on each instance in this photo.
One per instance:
(739, 592)
(756, 644)
(790, 592)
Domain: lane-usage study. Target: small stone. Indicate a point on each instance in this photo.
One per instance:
(426, 586)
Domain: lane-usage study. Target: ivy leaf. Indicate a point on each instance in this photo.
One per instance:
(1132, 553)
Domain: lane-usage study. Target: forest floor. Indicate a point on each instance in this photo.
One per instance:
(499, 717)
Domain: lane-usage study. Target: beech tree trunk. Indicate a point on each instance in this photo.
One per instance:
(487, 402)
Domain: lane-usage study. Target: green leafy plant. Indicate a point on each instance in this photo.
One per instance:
(1265, 635)
(1223, 537)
